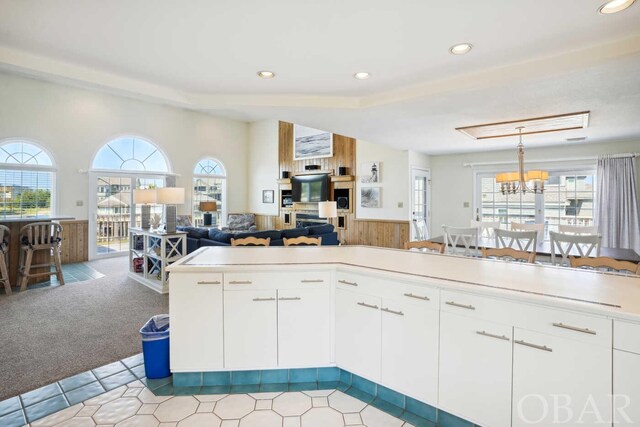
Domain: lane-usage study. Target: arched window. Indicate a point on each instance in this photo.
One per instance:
(130, 154)
(209, 184)
(27, 180)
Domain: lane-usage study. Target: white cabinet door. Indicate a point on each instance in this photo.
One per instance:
(410, 348)
(196, 322)
(250, 329)
(559, 381)
(358, 326)
(626, 388)
(475, 369)
(304, 327)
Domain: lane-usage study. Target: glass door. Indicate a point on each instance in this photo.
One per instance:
(112, 214)
(420, 183)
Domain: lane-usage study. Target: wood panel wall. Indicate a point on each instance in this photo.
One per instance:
(75, 241)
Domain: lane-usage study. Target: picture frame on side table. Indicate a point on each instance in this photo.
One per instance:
(268, 196)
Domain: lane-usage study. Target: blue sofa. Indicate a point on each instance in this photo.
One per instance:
(200, 237)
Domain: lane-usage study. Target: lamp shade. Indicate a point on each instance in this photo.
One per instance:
(144, 196)
(537, 175)
(171, 195)
(208, 207)
(327, 209)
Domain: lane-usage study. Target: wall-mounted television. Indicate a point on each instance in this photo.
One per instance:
(310, 188)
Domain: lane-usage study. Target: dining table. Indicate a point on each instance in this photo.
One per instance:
(15, 224)
(543, 249)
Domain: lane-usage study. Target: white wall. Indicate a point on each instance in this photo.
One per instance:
(452, 183)
(263, 166)
(74, 123)
(394, 181)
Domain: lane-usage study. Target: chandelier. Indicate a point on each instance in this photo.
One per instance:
(515, 182)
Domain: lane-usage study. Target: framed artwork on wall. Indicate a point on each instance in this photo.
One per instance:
(370, 197)
(267, 196)
(309, 143)
(370, 173)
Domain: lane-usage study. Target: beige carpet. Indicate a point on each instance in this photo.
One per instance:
(49, 334)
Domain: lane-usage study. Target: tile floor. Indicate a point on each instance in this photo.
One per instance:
(76, 272)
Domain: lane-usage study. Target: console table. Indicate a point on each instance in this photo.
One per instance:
(153, 252)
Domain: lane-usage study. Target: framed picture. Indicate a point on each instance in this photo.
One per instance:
(309, 143)
(267, 196)
(370, 197)
(370, 172)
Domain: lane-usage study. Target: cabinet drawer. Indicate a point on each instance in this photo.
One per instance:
(355, 282)
(493, 310)
(275, 280)
(428, 298)
(626, 336)
(199, 279)
(384, 287)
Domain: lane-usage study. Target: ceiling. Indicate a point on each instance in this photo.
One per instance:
(531, 58)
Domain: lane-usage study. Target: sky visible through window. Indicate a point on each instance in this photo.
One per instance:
(131, 154)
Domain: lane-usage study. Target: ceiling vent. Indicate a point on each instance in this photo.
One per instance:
(536, 125)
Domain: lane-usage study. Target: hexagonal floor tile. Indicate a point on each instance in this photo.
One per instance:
(374, 417)
(234, 406)
(261, 419)
(176, 409)
(140, 421)
(58, 417)
(200, 420)
(78, 422)
(322, 417)
(345, 403)
(146, 396)
(291, 404)
(117, 410)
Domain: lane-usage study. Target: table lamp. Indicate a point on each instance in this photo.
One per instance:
(170, 197)
(145, 197)
(328, 209)
(207, 208)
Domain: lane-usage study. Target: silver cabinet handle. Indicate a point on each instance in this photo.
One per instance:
(528, 344)
(487, 334)
(240, 282)
(364, 304)
(204, 282)
(399, 313)
(264, 299)
(289, 299)
(455, 304)
(312, 281)
(348, 283)
(417, 297)
(574, 328)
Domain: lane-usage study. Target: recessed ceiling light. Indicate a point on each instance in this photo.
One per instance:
(266, 74)
(615, 6)
(362, 75)
(461, 48)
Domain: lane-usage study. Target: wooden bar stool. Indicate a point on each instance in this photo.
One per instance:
(39, 236)
(5, 235)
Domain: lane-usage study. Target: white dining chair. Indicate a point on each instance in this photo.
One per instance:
(577, 229)
(539, 228)
(584, 245)
(486, 228)
(520, 240)
(460, 240)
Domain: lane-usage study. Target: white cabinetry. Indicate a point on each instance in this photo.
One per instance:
(304, 327)
(358, 326)
(626, 374)
(196, 322)
(475, 369)
(250, 329)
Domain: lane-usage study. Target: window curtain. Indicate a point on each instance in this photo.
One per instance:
(617, 209)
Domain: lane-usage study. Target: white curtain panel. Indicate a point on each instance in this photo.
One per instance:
(617, 208)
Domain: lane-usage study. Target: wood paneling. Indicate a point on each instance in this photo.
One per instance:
(75, 241)
(268, 222)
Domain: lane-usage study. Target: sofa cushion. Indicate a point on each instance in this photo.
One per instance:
(220, 236)
(207, 242)
(272, 234)
(240, 221)
(195, 232)
(295, 232)
(315, 230)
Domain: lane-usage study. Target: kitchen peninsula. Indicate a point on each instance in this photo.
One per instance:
(489, 341)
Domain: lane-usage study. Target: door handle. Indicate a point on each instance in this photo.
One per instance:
(487, 334)
(528, 344)
(240, 282)
(455, 304)
(574, 328)
(399, 313)
(364, 304)
(348, 283)
(410, 295)
(289, 299)
(264, 299)
(204, 282)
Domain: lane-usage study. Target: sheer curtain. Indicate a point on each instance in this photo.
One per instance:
(617, 210)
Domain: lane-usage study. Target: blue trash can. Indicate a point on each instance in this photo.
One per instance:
(155, 346)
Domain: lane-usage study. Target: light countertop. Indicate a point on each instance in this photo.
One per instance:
(42, 218)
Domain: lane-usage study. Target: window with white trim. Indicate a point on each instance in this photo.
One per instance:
(568, 199)
(209, 184)
(27, 180)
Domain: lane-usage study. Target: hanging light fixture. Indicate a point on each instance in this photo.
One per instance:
(516, 182)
